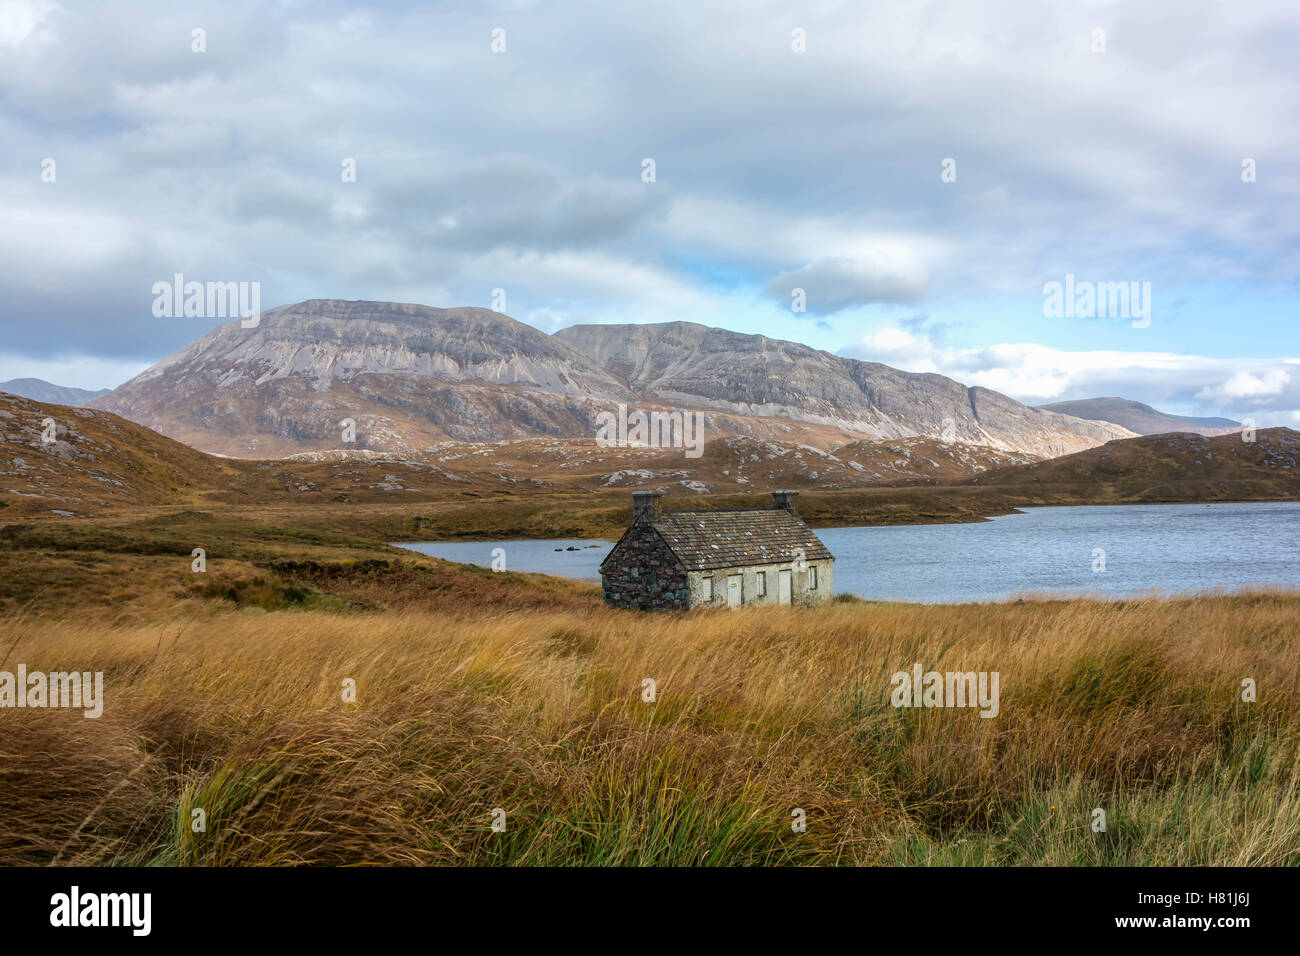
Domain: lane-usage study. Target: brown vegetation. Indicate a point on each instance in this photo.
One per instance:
(1131, 707)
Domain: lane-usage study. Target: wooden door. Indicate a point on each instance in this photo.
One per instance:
(734, 591)
(783, 587)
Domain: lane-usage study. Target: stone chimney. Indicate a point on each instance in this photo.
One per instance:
(785, 501)
(645, 506)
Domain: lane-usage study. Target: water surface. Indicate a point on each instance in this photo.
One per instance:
(1110, 550)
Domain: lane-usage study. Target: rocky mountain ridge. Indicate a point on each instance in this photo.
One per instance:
(408, 376)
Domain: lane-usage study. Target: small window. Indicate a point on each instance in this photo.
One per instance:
(812, 579)
(708, 589)
(760, 584)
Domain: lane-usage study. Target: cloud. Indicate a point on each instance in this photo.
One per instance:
(775, 170)
(19, 18)
(834, 283)
(1178, 383)
(1249, 385)
(899, 348)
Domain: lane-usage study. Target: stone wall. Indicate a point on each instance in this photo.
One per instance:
(641, 572)
(825, 583)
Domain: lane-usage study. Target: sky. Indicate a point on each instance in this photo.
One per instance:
(922, 171)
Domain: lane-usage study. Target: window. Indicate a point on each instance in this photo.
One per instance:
(708, 589)
(812, 579)
(760, 584)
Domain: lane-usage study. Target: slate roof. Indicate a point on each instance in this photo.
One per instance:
(737, 538)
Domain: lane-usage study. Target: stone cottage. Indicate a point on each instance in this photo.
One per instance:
(685, 559)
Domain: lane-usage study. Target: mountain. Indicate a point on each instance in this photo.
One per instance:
(754, 375)
(1139, 418)
(407, 375)
(410, 376)
(39, 390)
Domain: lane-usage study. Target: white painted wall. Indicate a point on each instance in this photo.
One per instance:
(800, 593)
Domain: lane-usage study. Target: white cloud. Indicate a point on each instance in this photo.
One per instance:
(1246, 384)
(19, 18)
(1038, 374)
(899, 348)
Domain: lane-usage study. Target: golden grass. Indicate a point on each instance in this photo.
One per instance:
(1132, 707)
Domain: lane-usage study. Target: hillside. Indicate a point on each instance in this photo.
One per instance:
(411, 376)
(1167, 467)
(1140, 419)
(97, 461)
(101, 462)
